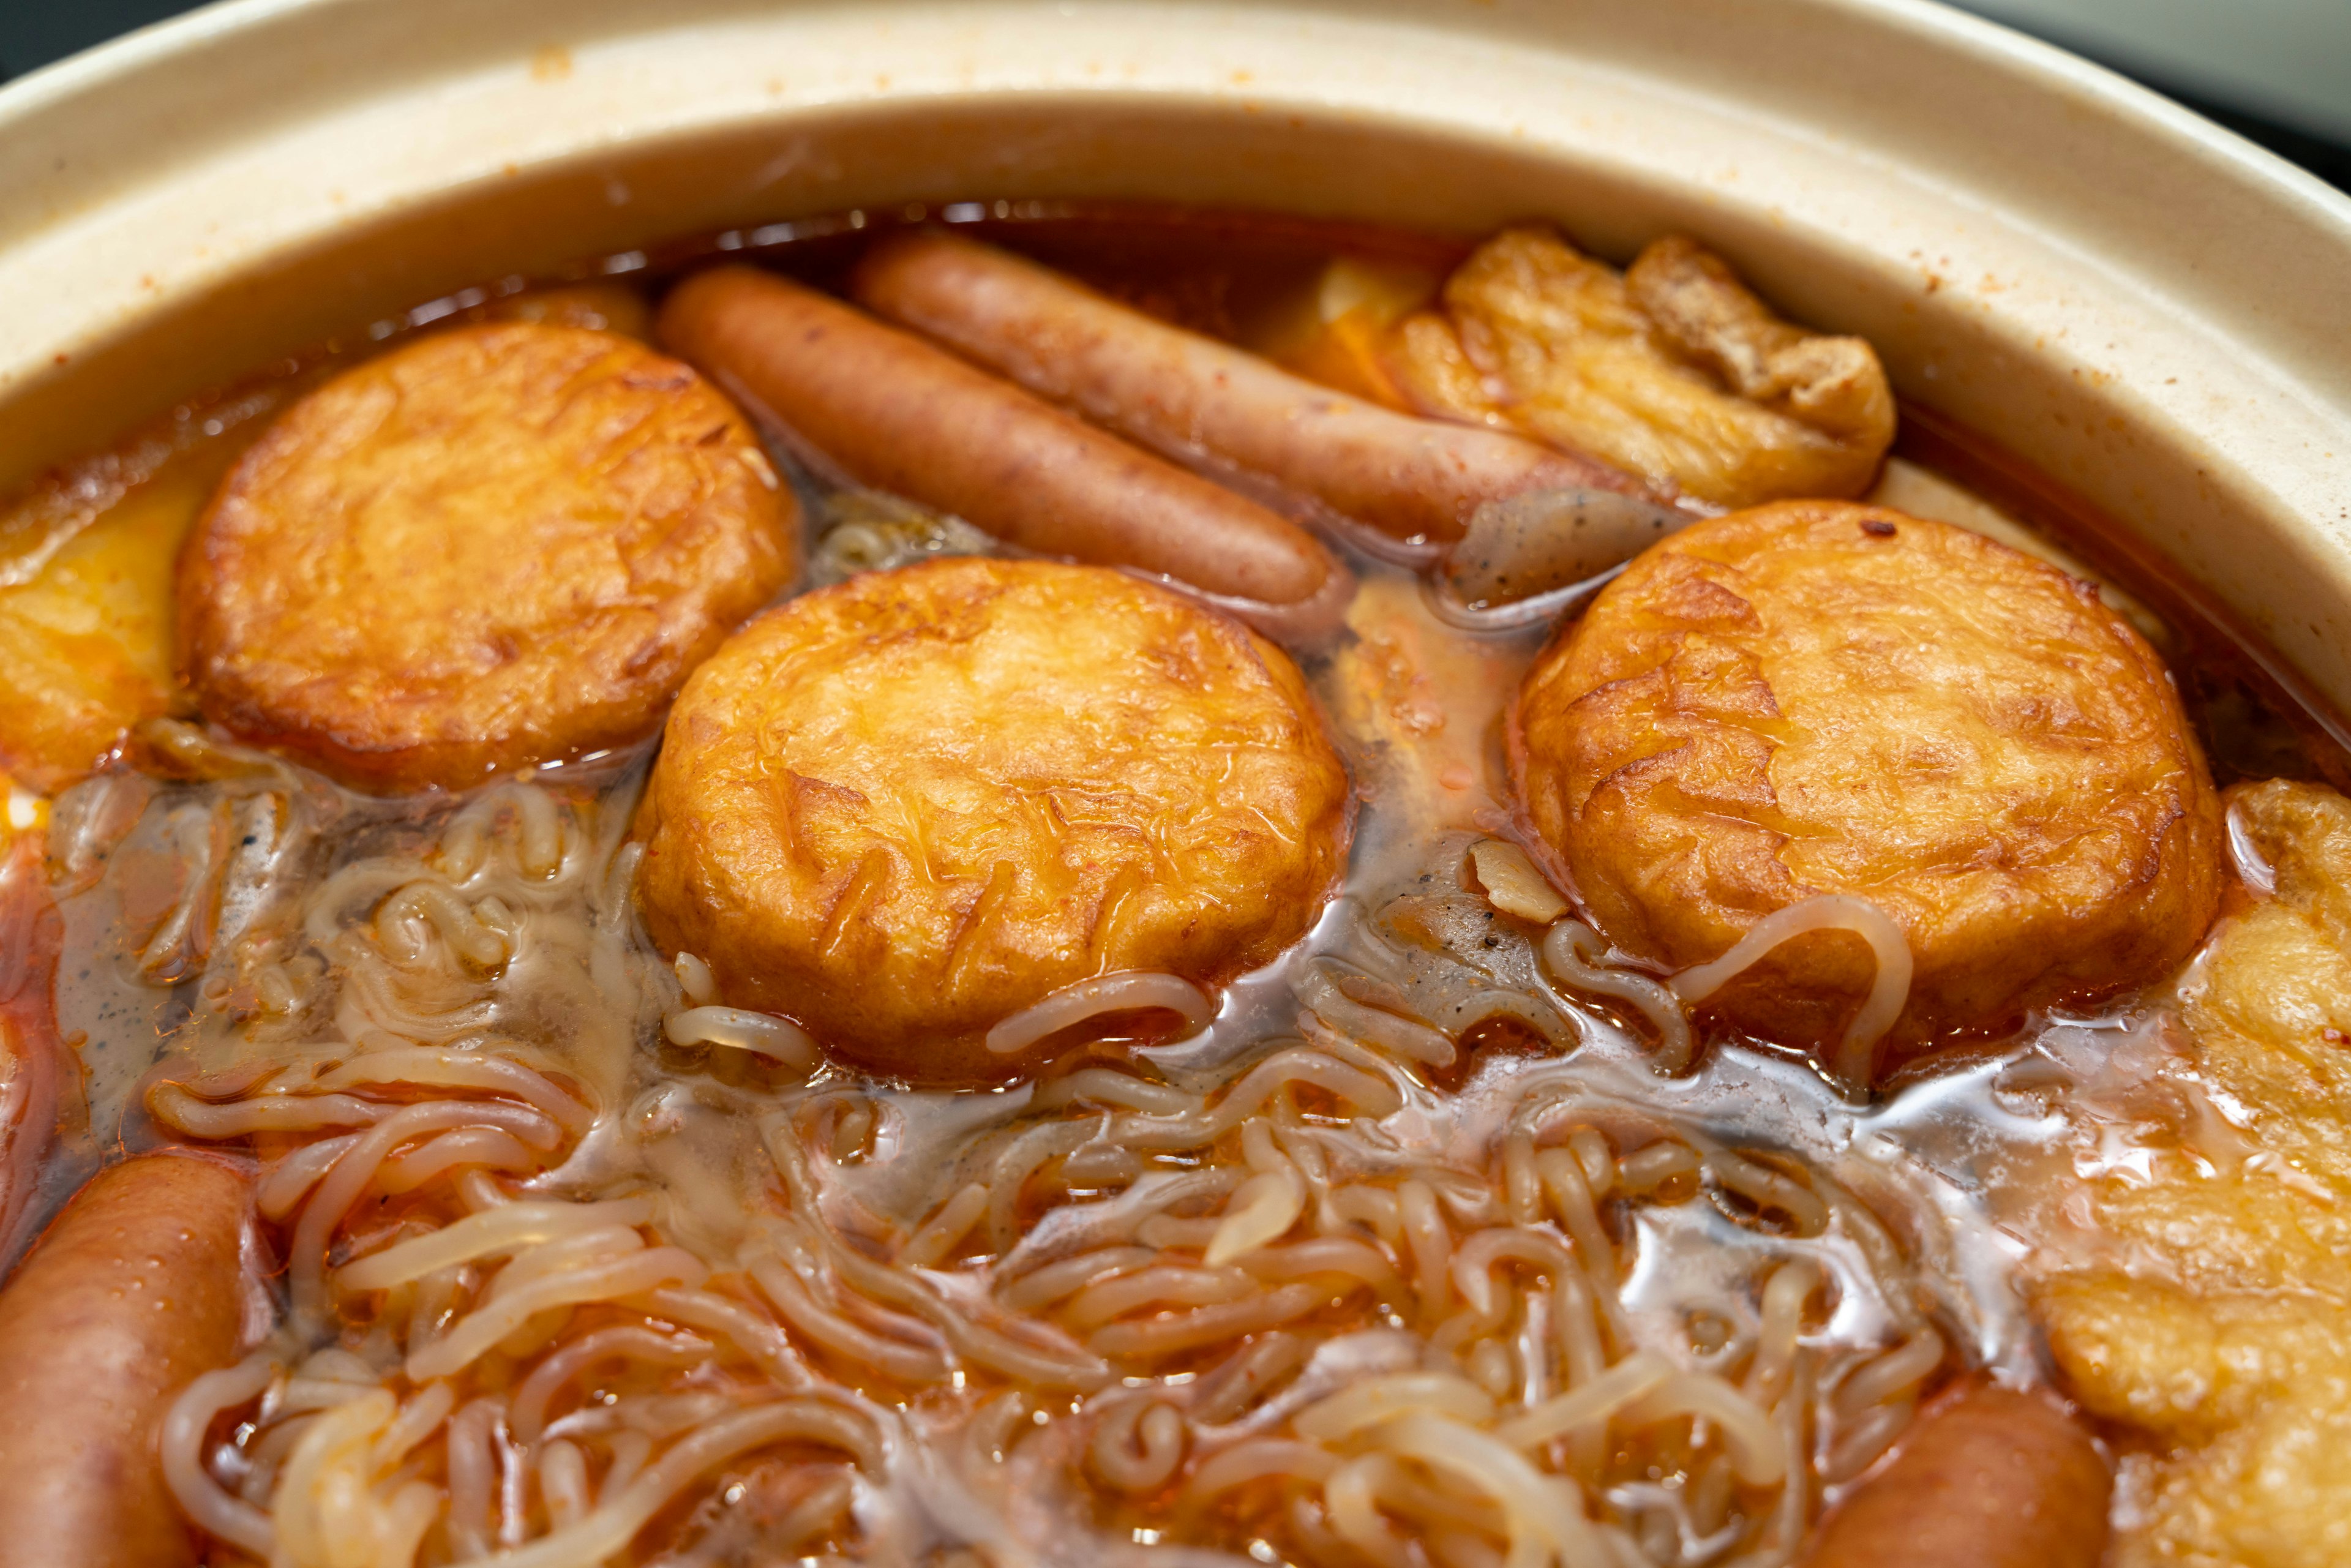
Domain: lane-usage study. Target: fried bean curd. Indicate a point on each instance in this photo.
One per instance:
(502, 545)
(905, 809)
(86, 644)
(1820, 700)
(1672, 370)
(2212, 1325)
(86, 586)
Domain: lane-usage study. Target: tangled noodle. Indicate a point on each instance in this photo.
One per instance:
(570, 1250)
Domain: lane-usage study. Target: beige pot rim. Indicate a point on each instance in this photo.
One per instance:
(2153, 310)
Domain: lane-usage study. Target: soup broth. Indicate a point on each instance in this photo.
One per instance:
(1421, 1244)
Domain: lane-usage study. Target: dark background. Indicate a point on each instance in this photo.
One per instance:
(35, 32)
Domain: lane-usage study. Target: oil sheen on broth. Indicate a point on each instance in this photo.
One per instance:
(1461, 1232)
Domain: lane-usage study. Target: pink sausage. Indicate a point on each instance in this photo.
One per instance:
(130, 1294)
(1205, 403)
(901, 415)
(1991, 1479)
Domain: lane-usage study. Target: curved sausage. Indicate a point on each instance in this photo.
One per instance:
(1994, 1479)
(30, 935)
(902, 415)
(132, 1293)
(1197, 400)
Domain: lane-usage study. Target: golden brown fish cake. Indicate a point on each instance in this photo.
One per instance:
(501, 545)
(903, 809)
(1821, 697)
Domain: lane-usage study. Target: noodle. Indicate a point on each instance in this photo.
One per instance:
(757, 1338)
(527, 1416)
(1052, 1281)
(1247, 1375)
(1791, 1286)
(239, 1523)
(743, 1031)
(1258, 1459)
(1564, 951)
(544, 1284)
(1205, 1325)
(1262, 1211)
(895, 1358)
(1339, 1256)
(183, 1111)
(1746, 1429)
(1889, 991)
(1263, 1082)
(1592, 1404)
(615, 1521)
(341, 1188)
(1138, 1445)
(1413, 1040)
(1351, 1499)
(1166, 1286)
(1768, 1190)
(563, 1483)
(1535, 1508)
(488, 1146)
(1879, 1382)
(287, 1182)
(474, 1334)
(1429, 1241)
(462, 1070)
(1383, 1399)
(507, 1228)
(401, 920)
(944, 1231)
(1105, 1086)
(1135, 991)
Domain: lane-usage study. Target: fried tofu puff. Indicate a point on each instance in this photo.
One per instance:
(2202, 1293)
(1672, 370)
(901, 810)
(501, 545)
(1822, 698)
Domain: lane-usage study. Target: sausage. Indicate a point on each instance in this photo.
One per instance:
(1993, 1479)
(899, 415)
(1179, 393)
(132, 1293)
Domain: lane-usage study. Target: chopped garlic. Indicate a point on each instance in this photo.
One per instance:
(24, 809)
(1512, 883)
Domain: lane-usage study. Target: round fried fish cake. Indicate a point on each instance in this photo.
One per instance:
(501, 545)
(1819, 698)
(903, 809)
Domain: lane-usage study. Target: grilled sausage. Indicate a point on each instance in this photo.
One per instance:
(897, 413)
(1994, 1479)
(1206, 403)
(132, 1293)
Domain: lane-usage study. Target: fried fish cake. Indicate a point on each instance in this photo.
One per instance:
(901, 810)
(1821, 697)
(501, 545)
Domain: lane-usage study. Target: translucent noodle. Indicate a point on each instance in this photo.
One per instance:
(239, 1523)
(739, 1030)
(1133, 991)
(567, 1286)
(1889, 991)
(1565, 950)
(613, 1523)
